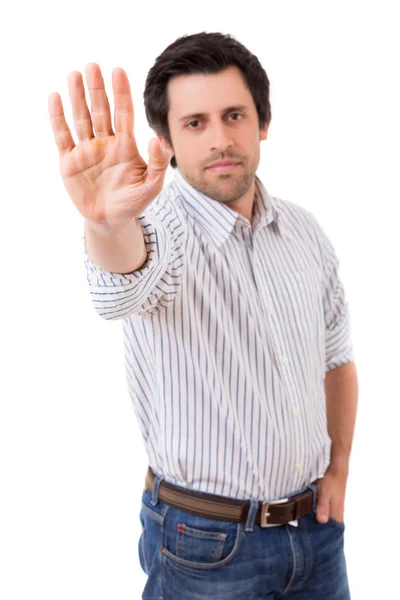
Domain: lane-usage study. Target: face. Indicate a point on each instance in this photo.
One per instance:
(213, 118)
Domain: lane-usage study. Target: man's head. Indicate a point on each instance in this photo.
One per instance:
(207, 98)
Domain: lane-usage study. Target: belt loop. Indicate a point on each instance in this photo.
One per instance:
(251, 516)
(156, 486)
(313, 487)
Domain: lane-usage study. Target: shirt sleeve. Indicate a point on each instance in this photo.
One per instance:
(339, 348)
(153, 287)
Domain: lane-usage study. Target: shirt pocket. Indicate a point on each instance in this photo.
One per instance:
(301, 302)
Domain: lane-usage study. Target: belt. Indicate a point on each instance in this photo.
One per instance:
(210, 506)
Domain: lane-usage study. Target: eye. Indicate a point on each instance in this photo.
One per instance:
(190, 125)
(237, 114)
(195, 121)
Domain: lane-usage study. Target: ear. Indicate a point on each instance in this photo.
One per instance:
(264, 132)
(165, 144)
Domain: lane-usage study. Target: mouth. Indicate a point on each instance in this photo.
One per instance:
(227, 167)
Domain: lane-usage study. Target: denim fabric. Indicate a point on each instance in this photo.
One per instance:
(192, 558)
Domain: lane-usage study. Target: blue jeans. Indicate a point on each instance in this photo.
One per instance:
(192, 558)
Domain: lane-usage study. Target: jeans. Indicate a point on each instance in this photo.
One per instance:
(193, 558)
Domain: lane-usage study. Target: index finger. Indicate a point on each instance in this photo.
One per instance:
(62, 133)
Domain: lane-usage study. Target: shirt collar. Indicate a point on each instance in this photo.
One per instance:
(217, 219)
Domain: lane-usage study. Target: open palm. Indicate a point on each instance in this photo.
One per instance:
(105, 176)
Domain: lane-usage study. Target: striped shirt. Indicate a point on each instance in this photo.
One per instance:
(229, 328)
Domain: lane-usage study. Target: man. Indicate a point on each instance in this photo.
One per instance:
(239, 358)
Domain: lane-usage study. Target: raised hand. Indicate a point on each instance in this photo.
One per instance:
(104, 174)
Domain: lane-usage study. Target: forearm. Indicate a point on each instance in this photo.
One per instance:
(341, 389)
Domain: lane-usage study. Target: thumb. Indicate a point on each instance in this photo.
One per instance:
(159, 159)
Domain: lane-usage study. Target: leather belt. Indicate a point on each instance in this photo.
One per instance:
(210, 506)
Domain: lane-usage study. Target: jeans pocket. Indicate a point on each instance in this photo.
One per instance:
(150, 541)
(141, 547)
(200, 543)
(339, 524)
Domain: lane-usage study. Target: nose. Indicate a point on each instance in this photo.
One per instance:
(220, 137)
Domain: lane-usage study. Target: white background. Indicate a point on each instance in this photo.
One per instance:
(72, 461)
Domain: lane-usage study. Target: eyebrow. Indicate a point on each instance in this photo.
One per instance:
(241, 107)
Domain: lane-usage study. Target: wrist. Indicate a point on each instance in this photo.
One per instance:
(339, 467)
(112, 231)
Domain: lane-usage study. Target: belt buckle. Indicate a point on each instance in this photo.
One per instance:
(265, 514)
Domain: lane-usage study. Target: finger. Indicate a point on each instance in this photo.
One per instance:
(123, 105)
(323, 505)
(101, 116)
(322, 513)
(61, 131)
(80, 111)
(159, 159)
(337, 509)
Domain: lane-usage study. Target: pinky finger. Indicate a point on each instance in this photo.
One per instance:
(61, 131)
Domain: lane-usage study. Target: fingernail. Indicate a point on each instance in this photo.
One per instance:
(323, 518)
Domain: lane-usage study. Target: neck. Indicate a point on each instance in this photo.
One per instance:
(245, 204)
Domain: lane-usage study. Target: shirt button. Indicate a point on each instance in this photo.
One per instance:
(255, 258)
(299, 466)
(284, 360)
(297, 414)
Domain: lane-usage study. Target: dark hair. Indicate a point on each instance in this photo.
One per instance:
(206, 53)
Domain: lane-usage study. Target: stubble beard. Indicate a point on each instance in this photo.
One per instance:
(225, 188)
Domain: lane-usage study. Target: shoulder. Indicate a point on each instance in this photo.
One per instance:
(295, 216)
(165, 214)
(300, 225)
(167, 202)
